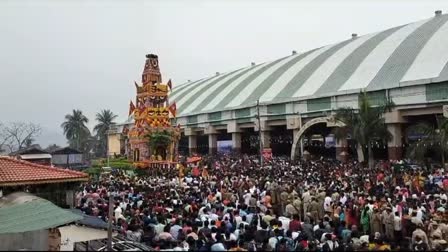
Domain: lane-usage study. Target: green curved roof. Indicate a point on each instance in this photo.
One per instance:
(410, 54)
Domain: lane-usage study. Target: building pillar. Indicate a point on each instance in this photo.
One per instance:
(192, 144)
(212, 144)
(296, 143)
(395, 145)
(236, 142)
(341, 146)
(266, 139)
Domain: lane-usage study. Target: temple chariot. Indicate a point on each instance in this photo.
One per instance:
(154, 136)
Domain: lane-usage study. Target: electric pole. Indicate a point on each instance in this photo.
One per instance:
(259, 133)
(109, 221)
(107, 145)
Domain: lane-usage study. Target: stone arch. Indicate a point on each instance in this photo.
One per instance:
(329, 120)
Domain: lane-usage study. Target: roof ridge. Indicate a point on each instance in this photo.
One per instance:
(43, 166)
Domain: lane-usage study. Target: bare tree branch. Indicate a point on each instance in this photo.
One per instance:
(18, 135)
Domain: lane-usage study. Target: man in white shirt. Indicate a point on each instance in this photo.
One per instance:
(419, 214)
(117, 212)
(327, 204)
(397, 225)
(343, 199)
(285, 222)
(213, 215)
(218, 195)
(247, 197)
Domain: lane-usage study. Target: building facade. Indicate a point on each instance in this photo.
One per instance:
(297, 95)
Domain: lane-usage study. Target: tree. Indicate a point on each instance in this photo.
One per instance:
(18, 135)
(433, 137)
(158, 141)
(52, 147)
(366, 125)
(105, 120)
(75, 129)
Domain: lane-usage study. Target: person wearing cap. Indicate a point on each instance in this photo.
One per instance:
(420, 234)
(313, 208)
(321, 199)
(306, 199)
(419, 244)
(375, 221)
(389, 220)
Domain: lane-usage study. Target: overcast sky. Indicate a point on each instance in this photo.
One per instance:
(56, 56)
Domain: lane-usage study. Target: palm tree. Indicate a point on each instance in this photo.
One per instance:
(75, 129)
(366, 125)
(105, 120)
(434, 138)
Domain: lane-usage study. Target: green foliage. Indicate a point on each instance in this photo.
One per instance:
(118, 163)
(105, 119)
(159, 139)
(93, 170)
(366, 125)
(141, 172)
(76, 131)
(125, 165)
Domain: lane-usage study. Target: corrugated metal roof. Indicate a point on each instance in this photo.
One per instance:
(23, 212)
(35, 156)
(409, 54)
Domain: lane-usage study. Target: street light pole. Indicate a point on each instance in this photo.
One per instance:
(109, 221)
(107, 145)
(259, 133)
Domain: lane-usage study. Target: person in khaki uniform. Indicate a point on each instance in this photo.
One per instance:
(293, 195)
(294, 208)
(320, 200)
(284, 199)
(375, 222)
(306, 197)
(314, 209)
(389, 222)
(420, 233)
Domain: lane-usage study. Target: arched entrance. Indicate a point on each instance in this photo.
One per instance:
(330, 121)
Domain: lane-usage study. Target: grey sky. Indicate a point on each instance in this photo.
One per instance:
(61, 55)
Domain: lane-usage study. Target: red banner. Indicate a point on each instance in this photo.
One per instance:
(267, 153)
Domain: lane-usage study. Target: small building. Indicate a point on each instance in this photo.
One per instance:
(34, 154)
(68, 158)
(51, 183)
(117, 140)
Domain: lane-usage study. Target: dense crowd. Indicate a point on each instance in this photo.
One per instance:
(230, 203)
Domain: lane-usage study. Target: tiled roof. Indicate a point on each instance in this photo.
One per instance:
(16, 172)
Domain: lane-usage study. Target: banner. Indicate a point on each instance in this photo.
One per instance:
(267, 153)
(224, 146)
(330, 141)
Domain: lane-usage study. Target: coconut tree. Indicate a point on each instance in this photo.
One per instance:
(433, 137)
(366, 125)
(105, 119)
(75, 129)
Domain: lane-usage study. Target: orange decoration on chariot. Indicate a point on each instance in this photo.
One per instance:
(153, 137)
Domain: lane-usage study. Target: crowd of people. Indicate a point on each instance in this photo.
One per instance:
(231, 203)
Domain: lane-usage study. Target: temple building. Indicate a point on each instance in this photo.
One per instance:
(297, 95)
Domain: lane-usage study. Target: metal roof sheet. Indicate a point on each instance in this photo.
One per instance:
(23, 212)
(405, 55)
